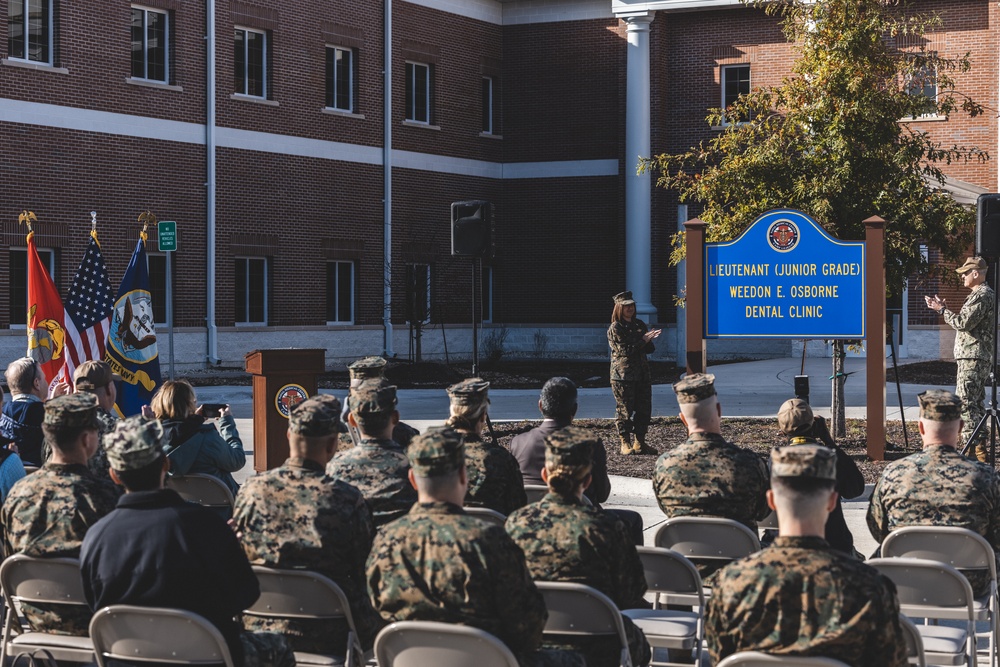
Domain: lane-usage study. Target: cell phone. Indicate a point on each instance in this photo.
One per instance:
(212, 410)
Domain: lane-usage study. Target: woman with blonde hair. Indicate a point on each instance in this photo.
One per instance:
(193, 444)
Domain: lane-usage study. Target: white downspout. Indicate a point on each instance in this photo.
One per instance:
(387, 183)
(213, 332)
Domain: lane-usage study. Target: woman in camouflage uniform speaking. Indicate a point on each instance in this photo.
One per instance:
(630, 342)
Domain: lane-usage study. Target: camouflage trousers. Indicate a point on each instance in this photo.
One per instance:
(552, 658)
(606, 651)
(970, 387)
(321, 635)
(266, 649)
(58, 619)
(633, 405)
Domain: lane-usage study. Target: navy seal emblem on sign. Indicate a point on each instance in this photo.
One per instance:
(783, 235)
(288, 397)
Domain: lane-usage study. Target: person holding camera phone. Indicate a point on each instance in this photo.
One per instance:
(193, 444)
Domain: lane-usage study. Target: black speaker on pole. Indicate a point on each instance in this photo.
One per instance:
(988, 226)
(472, 228)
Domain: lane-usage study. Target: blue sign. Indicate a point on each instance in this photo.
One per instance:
(785, 277)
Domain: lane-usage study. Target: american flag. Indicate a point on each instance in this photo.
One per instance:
(88, 310)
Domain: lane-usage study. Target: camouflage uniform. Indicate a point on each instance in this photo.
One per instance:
(938, 487)
(297, 517)
(380, 470)
(801, 597)
(371, 368)
(48, 512)
(975, 328)
(494, 477)
(98, 463)
(438, 563)
(630, 380)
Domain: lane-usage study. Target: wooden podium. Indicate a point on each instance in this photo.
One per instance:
(281, 380)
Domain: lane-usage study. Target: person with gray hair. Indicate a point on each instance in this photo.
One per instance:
(21, 421)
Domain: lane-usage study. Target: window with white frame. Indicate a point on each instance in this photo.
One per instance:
(418, 92)
(18, 282)
(251, 290)
(487, 101)
(150, 44)
(156, 263)
(250, 62)
(340, 292)
(418, 293)
(922, 84)
(30, 28)
(340, 78)
(735, 81)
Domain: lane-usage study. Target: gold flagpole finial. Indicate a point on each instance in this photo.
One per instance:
(146, 217)
(28, 218)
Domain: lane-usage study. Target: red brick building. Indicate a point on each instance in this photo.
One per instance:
(271, 156)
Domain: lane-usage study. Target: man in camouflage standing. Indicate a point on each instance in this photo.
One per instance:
(48, 512)
(438, 563)
(298, 517)
(800, 596)
(565, 540)
(975, 330)
(494, 476)
(705, 475)
(377, 466)
(938, 486)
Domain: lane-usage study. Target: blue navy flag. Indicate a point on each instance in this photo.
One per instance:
(131, 349)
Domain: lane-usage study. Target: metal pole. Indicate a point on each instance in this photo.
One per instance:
(475, 328)
(170, 312)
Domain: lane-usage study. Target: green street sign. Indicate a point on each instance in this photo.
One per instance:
(166, 235)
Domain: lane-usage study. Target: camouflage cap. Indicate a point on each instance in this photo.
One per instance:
(570, 447)
(472, 391)
(94, 374)
(373, 396)
(368, 367)
(624, 298)
(695, 387)
(818, 461)
(939, 406)
(795, 417)
(317, 416)
(972, 264)
(72, 411)
(135, 443)
(436, 452)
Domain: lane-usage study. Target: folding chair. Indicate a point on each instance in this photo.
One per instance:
(486, 514)
(424, 643)
(770, 521)
(705, 540)
(755, 659)
(668, 572)
(301, 594)
(535, 492)
(49, 581)
(575, 609)
(156, 634)
(914, 644)
(933, 590)
(203, 489)
(961, 548)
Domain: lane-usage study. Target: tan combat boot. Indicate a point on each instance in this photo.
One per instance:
(626, 445)
(640, 446)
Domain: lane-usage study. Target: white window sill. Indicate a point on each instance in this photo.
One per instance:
(490, 135)
(27, 64)
(253, 98)
(340, 324)
(426, 126)
(924, 119)
(341, 112)
(250, 325)
(146, 83)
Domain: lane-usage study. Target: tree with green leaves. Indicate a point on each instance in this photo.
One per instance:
(832, 140)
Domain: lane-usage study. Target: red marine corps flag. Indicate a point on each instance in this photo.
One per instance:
(46, 328)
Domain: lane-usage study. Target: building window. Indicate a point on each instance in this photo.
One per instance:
(157, 265)
(18, 283)
(340, 292)
(922, 84)
(339, 78)
(487, 105)
(418, 293)
(150, 41)
(735, 82)
(418, 92)
(250, 62)
(29, 30)
(487, 296)
(251, 290)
